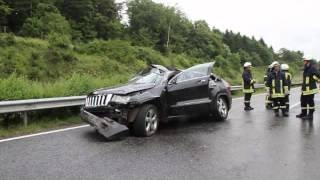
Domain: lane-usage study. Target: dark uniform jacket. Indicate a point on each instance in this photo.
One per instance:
(247, 82)
(277, 84)
(288, 78)
(265, 77)
(310, 77)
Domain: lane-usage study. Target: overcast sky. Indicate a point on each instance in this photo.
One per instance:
(293, 24)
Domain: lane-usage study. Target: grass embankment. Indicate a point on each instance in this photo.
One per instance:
(34, 68)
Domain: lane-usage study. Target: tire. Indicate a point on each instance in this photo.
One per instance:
(147, 121)
(221, 109)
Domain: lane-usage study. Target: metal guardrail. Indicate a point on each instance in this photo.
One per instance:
(237, 88)
(49, 103)
(37, 104)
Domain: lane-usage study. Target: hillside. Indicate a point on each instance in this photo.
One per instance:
(35, 68)
(63, 48)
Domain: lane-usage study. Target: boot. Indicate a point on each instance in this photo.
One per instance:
(276, 113)
(308, 117)
(248, 108)
(285, 114)
(302, 114)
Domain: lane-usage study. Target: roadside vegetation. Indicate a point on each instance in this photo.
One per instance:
(67, 48)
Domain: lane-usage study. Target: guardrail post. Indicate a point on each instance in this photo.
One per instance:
(25, 118)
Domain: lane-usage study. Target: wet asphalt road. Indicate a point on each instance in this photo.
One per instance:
(249, 145)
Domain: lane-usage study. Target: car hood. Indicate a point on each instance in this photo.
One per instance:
(125, 89)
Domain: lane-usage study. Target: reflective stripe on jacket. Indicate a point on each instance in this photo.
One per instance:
(310, 77)
(288, 78)
(277, 84)
(247, 82)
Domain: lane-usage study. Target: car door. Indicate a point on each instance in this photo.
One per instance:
(188, 92)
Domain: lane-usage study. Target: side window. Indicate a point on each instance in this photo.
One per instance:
(182, 77)
(193, 72)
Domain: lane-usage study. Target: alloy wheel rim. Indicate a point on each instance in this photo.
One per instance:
(151, 121)
(222, 107)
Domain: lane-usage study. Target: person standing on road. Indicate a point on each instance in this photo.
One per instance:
(248, 85)
(278, 89)
(288, 76)
(268, 100)
(309, 88)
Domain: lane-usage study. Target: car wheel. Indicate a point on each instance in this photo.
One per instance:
(221, 109)
(147, 121)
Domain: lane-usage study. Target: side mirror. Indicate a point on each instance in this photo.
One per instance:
(212, 76)
(215, 78)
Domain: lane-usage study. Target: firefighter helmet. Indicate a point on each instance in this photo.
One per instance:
(285, 67)
(247, 64)
(274, 63)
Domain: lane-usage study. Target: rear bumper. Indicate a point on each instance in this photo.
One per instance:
(105, 126)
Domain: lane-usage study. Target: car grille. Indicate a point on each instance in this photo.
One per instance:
(99, 100)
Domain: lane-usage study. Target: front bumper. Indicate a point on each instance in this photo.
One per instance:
(105, 126)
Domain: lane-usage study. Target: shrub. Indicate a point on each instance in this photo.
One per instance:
(7, 40)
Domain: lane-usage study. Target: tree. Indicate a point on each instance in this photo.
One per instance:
(21, 10)
(161, 27)
(46, 20)
(286, 55)
(5, 10)
(204, 43)
(92, 18)
(249, 48)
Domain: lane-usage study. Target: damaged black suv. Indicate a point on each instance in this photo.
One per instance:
(157, 94)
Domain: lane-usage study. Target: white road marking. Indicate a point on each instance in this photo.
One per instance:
(295, 105)
(44, 133)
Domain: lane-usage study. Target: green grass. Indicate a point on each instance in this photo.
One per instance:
(45, 124)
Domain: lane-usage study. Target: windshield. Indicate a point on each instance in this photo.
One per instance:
(150, 75)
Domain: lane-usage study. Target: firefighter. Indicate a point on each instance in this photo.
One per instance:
(309, 88)
(268, 100)
(285, 70)
(278, 88)
(248, 85)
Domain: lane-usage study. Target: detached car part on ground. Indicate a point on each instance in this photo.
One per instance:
(154, 95)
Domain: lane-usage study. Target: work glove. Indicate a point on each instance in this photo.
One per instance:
(268, 91)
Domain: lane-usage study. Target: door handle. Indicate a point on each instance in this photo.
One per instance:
(202, 81)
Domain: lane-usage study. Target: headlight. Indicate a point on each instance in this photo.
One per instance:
(120, 99)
